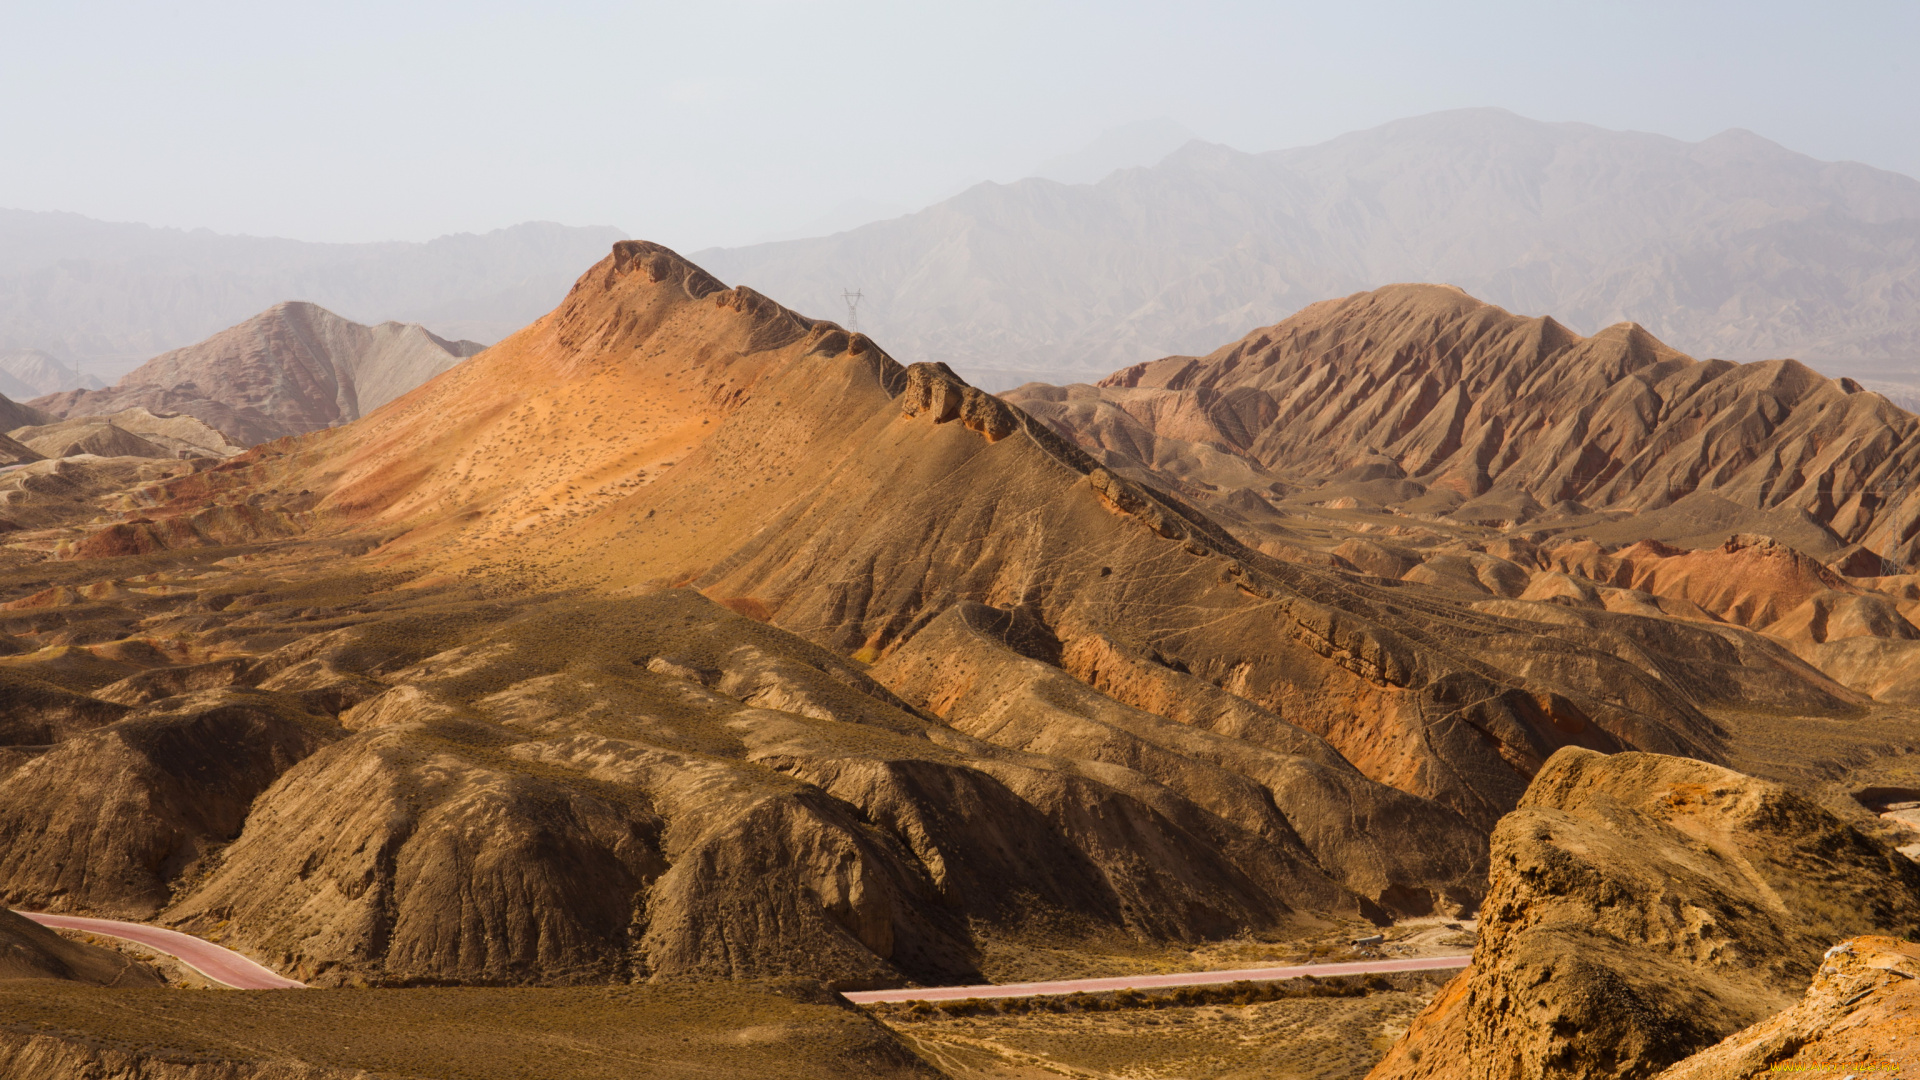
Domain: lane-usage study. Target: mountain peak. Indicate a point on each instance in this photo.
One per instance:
(1471, 405)
(293, 368)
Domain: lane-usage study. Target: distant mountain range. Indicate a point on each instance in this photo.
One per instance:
(27, 373)
(291, 369)
(106, 296)
(1732, 247)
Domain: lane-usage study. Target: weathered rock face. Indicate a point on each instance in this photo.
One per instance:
(1279, 787)
(1462, 409)
(31, 951)
(659, 787)
(1642, 908)
(108, 819)
(291, 369)
(1860, 1015)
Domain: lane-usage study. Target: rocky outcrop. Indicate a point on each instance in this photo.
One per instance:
(1859, 1016)
(1276, 785)
(293, 368)
(1642, 908)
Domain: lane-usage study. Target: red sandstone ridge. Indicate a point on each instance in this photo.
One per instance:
(1449, 406)
(293, 368)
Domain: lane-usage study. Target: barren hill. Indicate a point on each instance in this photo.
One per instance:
(291, 369)
(1597, 226)
(681, 634)
(1421, 397)
(738, 437)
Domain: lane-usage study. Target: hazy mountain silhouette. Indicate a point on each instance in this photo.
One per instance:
(291, 369)
(1731, 247)
(109, 295)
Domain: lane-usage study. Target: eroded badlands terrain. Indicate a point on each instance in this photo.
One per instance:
(683, 640)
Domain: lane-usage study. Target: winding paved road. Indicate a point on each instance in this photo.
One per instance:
(1156, 982)
(229, 968)
(224, 966)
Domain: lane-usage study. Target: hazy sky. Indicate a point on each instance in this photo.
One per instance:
(711, 123)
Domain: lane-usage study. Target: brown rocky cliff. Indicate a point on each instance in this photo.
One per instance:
(1860, 1016)
(1642, 908)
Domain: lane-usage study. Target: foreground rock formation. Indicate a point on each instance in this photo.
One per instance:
(1860, 1016)
(291, 369)
(1643, 908)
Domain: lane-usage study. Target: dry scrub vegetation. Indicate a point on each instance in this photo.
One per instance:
(770, 1029)
(1333, 1029)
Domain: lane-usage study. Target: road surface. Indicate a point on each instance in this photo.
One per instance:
(224, 966)
(229, 968)
(1156, 982)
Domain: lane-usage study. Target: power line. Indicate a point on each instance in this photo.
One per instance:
(853, 298)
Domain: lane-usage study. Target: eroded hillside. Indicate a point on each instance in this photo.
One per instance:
(683, 636)
(1416, 434)
(907, 618)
